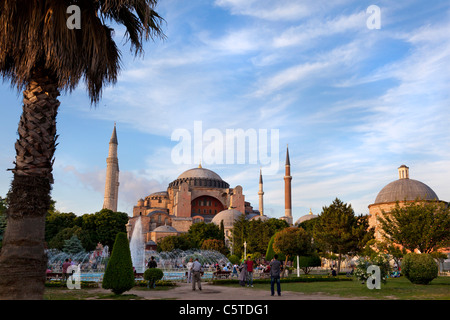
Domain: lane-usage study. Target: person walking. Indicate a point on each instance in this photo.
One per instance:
(275, 271)
(196, 274)
(249, 264)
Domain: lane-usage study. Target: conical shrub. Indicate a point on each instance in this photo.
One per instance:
(119, 275)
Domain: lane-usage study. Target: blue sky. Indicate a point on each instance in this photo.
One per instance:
(353, 103)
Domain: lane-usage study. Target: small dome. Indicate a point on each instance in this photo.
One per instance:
(306, 217)
(165, 229)
(227, 216)
(259, 217)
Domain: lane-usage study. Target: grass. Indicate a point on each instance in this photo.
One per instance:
(63, 293)
(395, 288)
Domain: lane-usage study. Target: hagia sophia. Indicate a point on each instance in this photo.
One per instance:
(201, 195)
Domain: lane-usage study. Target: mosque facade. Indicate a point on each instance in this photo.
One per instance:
(196, 195)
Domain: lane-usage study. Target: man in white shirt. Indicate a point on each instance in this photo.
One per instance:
(196, 274)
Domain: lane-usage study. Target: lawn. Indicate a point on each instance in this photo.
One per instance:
(395, 288)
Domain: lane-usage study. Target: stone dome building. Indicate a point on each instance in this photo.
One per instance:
(196, 195)
(402, 190)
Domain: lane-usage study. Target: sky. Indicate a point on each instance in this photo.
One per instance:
(355, 93)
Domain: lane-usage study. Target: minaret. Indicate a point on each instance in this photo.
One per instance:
(287, 190)
(261, 193)
(112, 174)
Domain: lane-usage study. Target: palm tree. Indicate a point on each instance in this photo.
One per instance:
(42, 56)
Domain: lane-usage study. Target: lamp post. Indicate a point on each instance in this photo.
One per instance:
(245, 249)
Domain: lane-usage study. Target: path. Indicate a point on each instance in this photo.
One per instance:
(183, 291)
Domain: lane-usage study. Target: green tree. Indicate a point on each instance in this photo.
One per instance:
(56, 221)
(306, 263)
(171, 243)
(198, 232)
(338, 230)
(292, 242)
(108, 224)
(418, 225)
(214, 244)
(73, 245)
(119, 275)
(42, 56)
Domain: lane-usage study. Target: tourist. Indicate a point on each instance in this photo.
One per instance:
(243, 273)
(249, 264)
(333, 272)
(189, 274)
(235, 271)
(196, 270)
(275, 271)
(65, 266)
(152, 263)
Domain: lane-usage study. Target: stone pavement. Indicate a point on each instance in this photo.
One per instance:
(215, 292)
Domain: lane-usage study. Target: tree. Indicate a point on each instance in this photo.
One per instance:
(108, 224)
(338, 230)
(73, 245)
(171, 243)
(42, 56)
(214, 244)
(306, 263)
(198, 232)
(292, 242)
(418, 225)
(119, 275)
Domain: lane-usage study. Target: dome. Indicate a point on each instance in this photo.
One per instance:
(165, 229)
(200, 177)
(405, 189)
(227, 216)
(259, 217)
(306, 217)
(200, 173)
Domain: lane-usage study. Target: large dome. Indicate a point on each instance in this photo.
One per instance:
(405, 189)
(200, 173)
(200, 177)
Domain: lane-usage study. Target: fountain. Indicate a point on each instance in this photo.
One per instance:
(137, 248)
(92, 264)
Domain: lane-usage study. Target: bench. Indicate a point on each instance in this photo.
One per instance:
(221, 275)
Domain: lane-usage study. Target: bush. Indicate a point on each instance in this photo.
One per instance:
(119, 275)
(306, 263)
(234, 259)
(419, 268)
(379, 260)
(153, 274)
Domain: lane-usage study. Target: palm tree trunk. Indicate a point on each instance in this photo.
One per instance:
(22, 260)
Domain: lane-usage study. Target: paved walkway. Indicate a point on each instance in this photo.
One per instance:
(183, 291)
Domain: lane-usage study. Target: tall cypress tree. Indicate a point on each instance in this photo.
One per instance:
(119, 275)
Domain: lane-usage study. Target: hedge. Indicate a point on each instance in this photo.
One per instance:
(305, 278)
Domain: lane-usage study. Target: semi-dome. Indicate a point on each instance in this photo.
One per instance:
(405, 189)
(200, 177)
(228, 217)
(165, 228)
